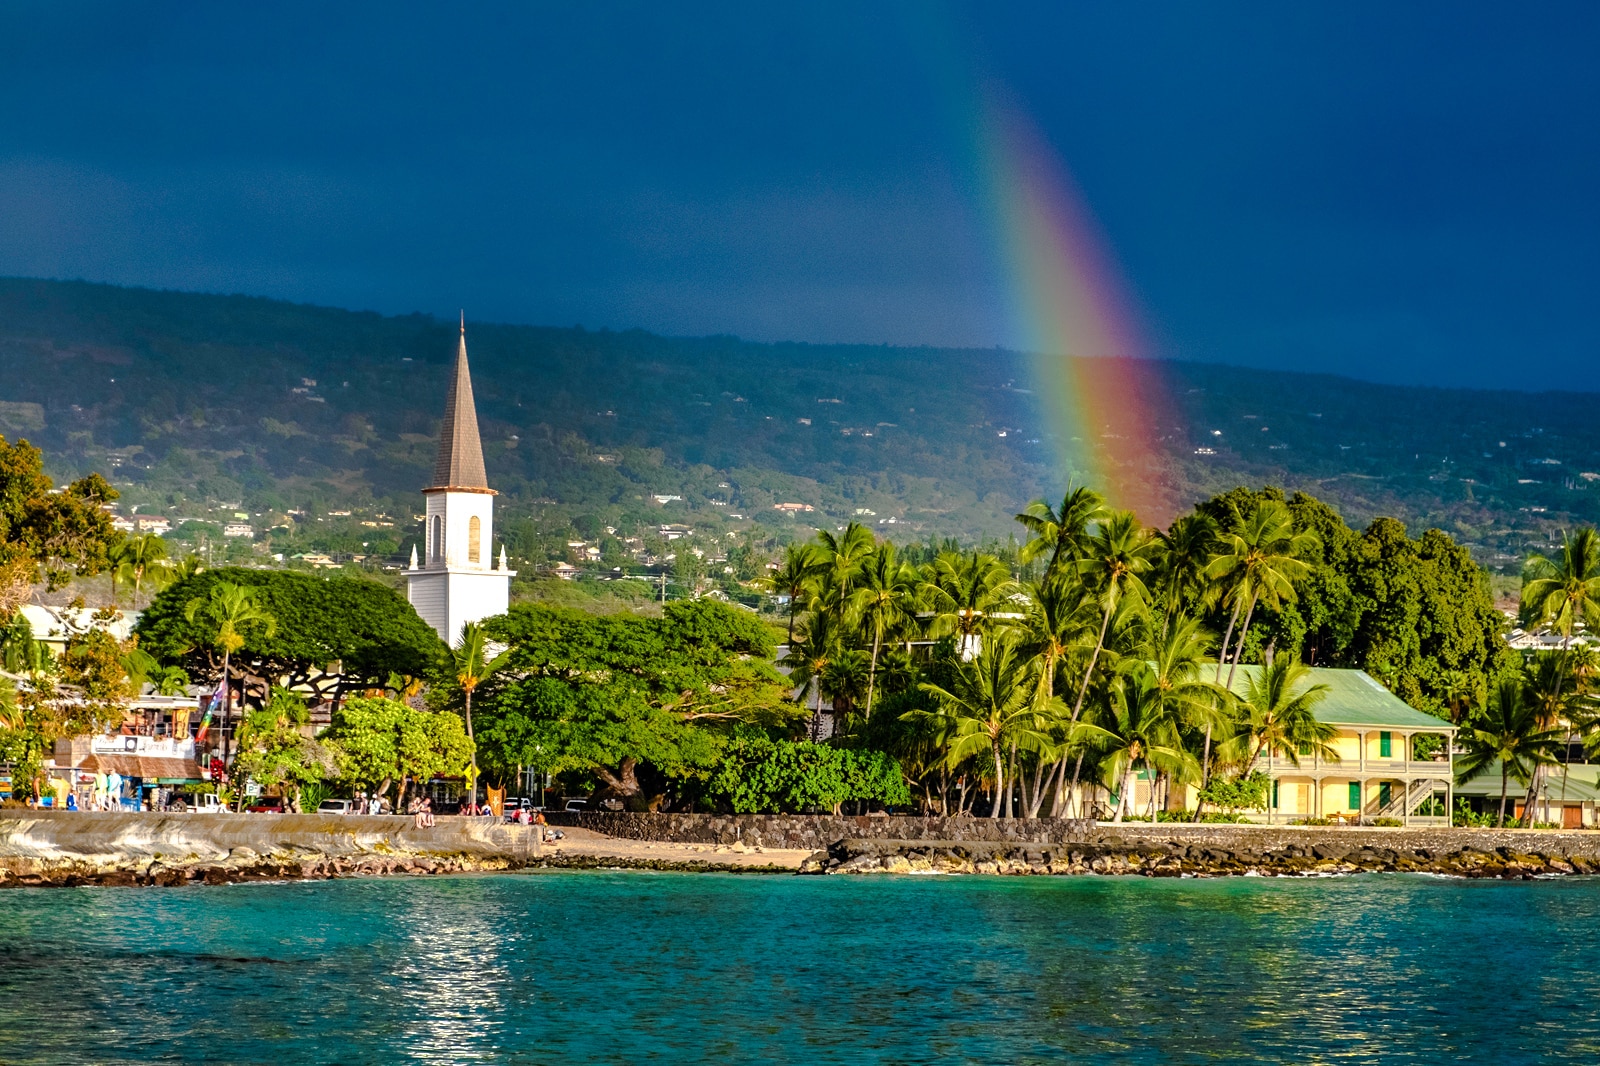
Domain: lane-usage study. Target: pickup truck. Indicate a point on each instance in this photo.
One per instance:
(201, 803)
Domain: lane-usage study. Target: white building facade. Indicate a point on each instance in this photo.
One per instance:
(456, 580)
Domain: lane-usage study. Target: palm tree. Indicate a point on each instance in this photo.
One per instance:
(137, 560)
(1277, 715)
(883, 599)
(1564, 592)
(809, 657)
(472, 668)
(990, 703)
(839, 558)
(1119, 552)
(1061, 621)
(230, 610)
(1064, 533)
(1508, 733)
(1138, 727)
(1261, 558)
(1186, 549)
(794, 578)
(962, 592)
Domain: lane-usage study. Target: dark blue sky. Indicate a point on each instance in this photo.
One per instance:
(1402, 193)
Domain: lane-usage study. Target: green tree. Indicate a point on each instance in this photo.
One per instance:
(473, 667)
(1119, 554)
(62, 532)
(379, 742)
(611, 697)
(137, 561)
(1138, 727)
(226, 613)
(795, 578)
(989, 704)
(1277, 715)
(364, 631)
(962, 592)
(1260, 558)
(1564, 592)
(1063, 533)
(276, 754)
(884, 600)
(1508, 734)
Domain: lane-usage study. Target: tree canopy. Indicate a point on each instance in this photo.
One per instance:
(1414, 612)
(607, 695)
(366, 628)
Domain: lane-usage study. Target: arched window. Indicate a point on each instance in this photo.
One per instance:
(436, 537)
(474, 535)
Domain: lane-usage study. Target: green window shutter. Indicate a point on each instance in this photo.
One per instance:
(1385, 745)
(1355, 795)
(1274, 793)
(1383, 794)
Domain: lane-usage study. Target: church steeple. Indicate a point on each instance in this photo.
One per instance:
(460, 461)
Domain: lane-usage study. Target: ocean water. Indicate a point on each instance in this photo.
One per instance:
(629, 967)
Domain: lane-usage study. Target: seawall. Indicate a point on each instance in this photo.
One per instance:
(66, 847)
(1061, 846)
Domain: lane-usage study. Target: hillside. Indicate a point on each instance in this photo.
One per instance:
(200, 405)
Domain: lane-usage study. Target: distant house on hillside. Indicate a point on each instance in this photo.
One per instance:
(793, 508)
(238, 529)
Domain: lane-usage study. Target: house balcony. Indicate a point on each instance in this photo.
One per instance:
(1316, 767)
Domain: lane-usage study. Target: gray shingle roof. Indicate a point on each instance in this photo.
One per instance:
(460, 461)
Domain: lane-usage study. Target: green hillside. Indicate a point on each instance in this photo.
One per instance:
(198, 406)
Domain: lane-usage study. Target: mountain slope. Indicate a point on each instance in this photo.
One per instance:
(192, 400)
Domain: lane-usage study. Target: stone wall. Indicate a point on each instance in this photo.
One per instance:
(34, 838)
(818, 832)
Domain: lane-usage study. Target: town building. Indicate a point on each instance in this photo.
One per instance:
(1377, 773)
(456, 581)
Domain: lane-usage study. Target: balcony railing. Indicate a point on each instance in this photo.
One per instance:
(1315, 766)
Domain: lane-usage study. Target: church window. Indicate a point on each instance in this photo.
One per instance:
(436, 537)
(474, 535)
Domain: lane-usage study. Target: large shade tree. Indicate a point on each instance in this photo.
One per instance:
(624, 700)
(330, 636)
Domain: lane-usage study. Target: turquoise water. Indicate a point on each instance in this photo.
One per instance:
(570, 967)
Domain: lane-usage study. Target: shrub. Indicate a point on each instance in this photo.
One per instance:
(1388, 823)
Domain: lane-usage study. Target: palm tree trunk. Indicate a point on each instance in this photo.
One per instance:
(1227, 638)
(227, 706)
(1073, 795)
(1244, 632)
(1127, 787)
(872, 674)
(1503, 788)
(1083, 690)
(999, 780)
(473, 798)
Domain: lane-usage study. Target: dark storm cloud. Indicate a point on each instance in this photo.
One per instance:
(1398, 193)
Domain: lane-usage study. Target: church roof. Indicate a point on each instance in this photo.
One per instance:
(460, 461)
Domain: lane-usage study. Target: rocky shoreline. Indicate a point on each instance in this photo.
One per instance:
(243, 865)
(1179, 859)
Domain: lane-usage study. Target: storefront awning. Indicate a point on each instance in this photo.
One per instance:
(150, 768)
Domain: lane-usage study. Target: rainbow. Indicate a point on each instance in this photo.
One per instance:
(1104, 394)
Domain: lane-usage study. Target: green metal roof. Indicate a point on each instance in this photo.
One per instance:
(1572, 784)
(1354, 698)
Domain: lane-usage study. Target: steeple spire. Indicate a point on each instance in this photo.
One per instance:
(460, 461)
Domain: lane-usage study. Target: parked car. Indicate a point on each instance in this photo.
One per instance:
(201, 803)
(576, 805)
(335, 806)
(268, 805)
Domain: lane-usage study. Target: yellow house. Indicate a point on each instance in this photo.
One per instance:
(1377, 773)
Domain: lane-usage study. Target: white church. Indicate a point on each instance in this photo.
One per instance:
(457, 580)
